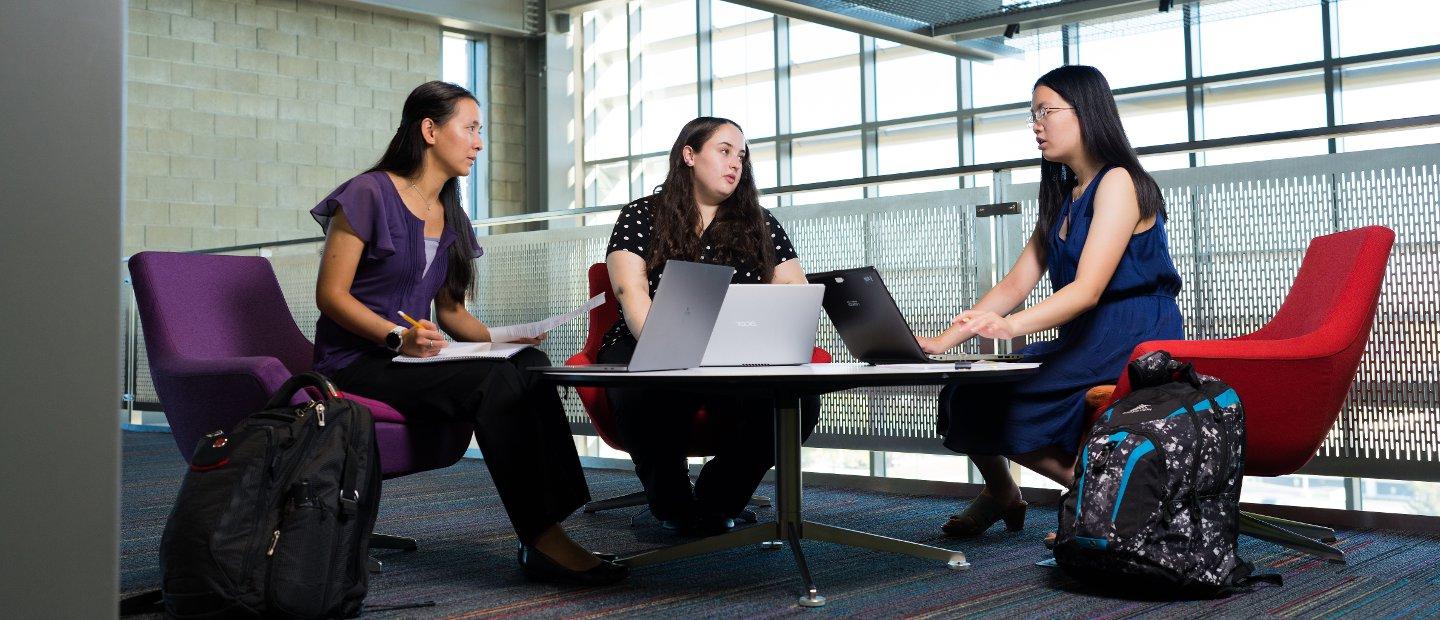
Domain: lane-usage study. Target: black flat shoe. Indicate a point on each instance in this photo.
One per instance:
(699, 526)
(539, 567)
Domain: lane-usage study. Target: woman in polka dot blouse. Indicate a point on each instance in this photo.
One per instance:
(707, 210)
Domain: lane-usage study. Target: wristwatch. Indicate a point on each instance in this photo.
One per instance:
(395, 338)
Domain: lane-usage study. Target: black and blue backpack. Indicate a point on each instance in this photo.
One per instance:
(1155, 507)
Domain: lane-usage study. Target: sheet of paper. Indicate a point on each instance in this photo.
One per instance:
(466, 351)
(511, 333)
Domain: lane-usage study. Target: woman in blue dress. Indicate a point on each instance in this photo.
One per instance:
(1101, 236)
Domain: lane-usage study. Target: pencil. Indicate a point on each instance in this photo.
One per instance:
(412, 322)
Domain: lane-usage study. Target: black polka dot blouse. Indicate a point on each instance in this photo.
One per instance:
(632, 234)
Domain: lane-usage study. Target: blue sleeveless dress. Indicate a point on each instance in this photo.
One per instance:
(1048, 408)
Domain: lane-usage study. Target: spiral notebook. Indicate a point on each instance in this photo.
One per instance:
(466, 351)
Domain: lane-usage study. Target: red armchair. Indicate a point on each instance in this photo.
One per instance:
(597, 406)
(1294, 373)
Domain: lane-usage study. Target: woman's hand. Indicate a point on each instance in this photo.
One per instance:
(423, 341)
(962, 320)
(933, 345)
(987, 325)
(959, 331)
(532, 341)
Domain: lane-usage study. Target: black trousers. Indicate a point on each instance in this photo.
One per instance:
(519, 423)
(657, 426)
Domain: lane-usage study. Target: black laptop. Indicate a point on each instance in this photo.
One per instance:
(871, 324)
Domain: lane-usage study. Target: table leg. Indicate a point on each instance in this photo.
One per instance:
(854, 538)
(789, 489)
(752, 535)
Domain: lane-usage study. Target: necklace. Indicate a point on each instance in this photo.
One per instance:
(422, 197)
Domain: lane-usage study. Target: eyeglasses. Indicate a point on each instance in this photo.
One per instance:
(1038, 115)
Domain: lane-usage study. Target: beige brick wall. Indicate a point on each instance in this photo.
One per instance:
(242, 114)
(507, 126)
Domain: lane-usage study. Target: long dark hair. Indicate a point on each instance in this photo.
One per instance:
(738, 234)
(434, 100)
(1086, 90)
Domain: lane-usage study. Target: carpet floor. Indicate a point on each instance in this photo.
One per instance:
(466, 561)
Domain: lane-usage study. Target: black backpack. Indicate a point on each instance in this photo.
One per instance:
(1155, 508)
(274, 517)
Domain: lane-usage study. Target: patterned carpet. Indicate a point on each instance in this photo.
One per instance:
(466, 561)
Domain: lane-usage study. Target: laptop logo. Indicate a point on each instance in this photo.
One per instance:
(853, 303)
(869, 279)
(839, 280)
(747, 323)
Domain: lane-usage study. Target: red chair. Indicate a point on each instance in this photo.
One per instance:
(597, 406)
(1294, 373)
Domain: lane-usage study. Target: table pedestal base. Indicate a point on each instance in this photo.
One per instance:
(789, 525)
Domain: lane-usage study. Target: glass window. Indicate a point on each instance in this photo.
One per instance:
(912, 82)
(725, 14)
(764, 166)
(835, 461)
(607, 83)
(1382, 91)
(824, 77)
(922, 146)
(826, 158)
(1112, 48)
(1230, 34)
(1381, 25)
(455, 69)
(1154, 117)
(743, 61)
(1004, 136)
(607, 184)
(1295, 490)
(1264, 152)
(650, 174)
(463, 61)
(668, 92)
(927, 467)
(1400, 497)
(1277, 103)
(1167, 161)
(1009, 79)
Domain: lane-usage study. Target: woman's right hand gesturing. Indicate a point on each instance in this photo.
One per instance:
(959, 331)
(423, 341)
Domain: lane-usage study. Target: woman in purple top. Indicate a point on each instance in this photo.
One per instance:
(397, 240)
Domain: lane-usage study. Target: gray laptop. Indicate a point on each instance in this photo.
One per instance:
(766, 325)
(681, 317)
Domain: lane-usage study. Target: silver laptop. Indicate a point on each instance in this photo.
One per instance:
(682, 316)
(766, 325)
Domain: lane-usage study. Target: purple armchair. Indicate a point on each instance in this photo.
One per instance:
(221, 339)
